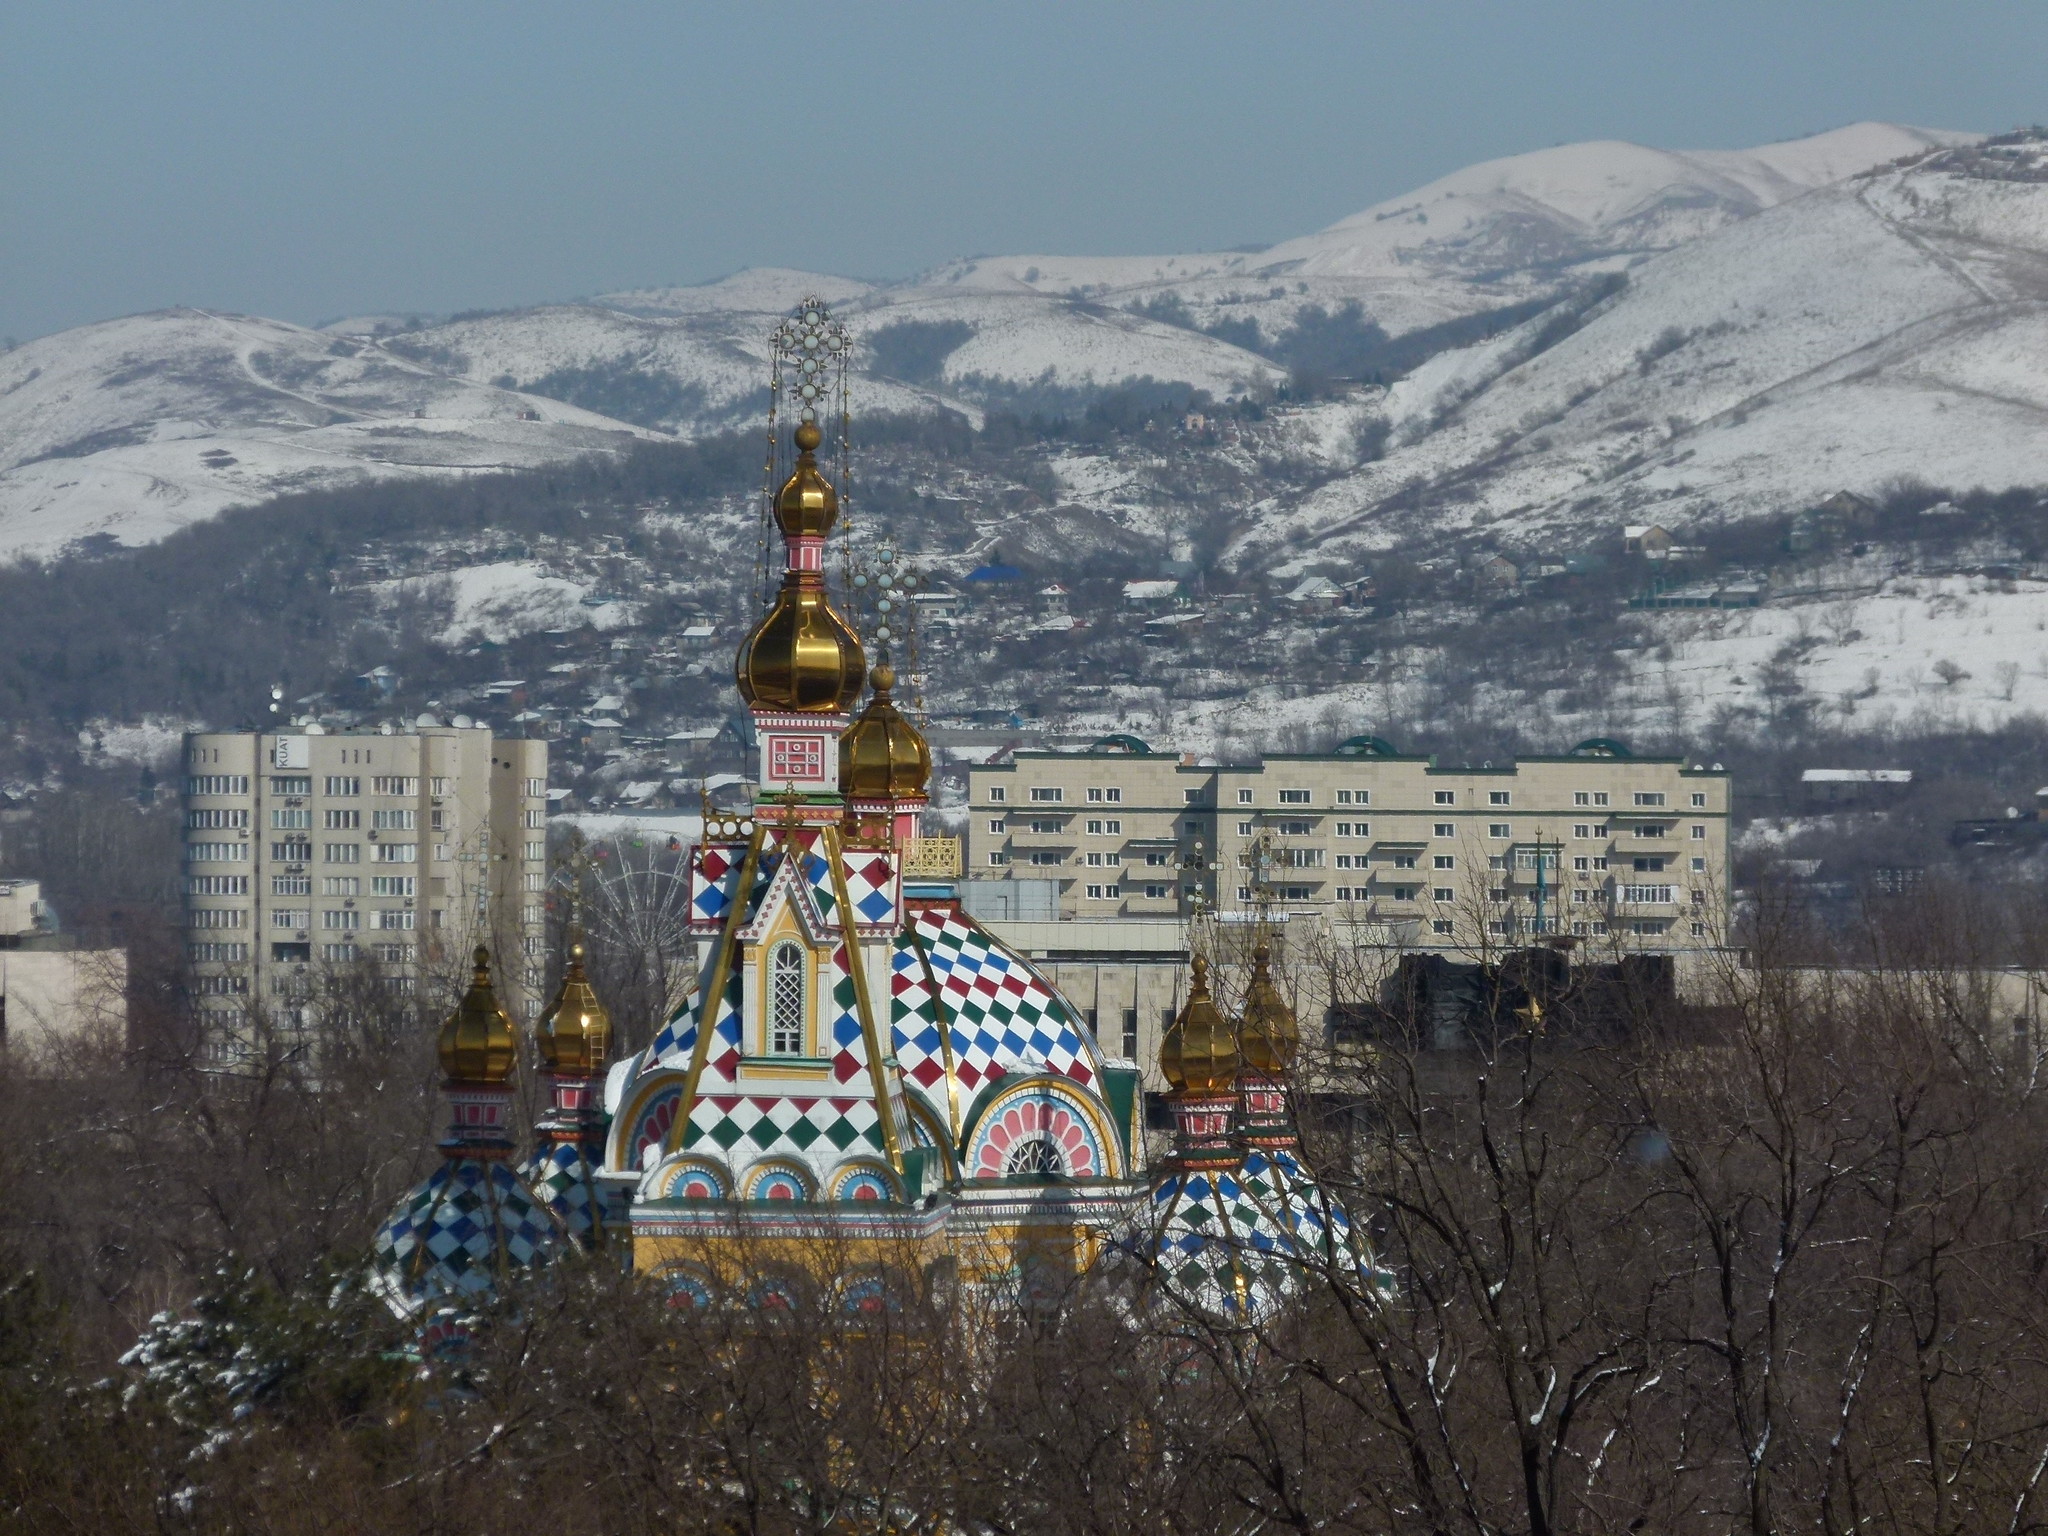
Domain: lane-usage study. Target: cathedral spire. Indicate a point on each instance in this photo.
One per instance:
(1200, 1060)
(574, 1036)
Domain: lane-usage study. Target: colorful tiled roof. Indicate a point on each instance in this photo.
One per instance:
(1236, 1241)
(465, 1227)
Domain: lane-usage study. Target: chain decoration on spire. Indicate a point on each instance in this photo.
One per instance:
(807, 357)
(882, 588)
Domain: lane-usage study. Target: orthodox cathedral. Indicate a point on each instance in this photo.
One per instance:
(863, 1077)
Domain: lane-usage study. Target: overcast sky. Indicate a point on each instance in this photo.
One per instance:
(307, 161)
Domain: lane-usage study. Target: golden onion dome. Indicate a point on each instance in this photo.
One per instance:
(1268, 1035)
(807, 504)
(575, 1033)
(476, 1041)
(1199, 1053)
(882, 756)
(802, 655)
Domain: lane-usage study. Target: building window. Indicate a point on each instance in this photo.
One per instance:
(997, 827)
(342, 951)
(396, 920)
(1445, 829)
(1599, 863)
(1244, 797)
(341, 853)
(1095, 893)
(1244, 893)
(392, 885)
(1113, 795)
(1699, 930)
(1649, 797)
(1498, 797)
(216, 821)
(1043, 857)
(1354, 797)
(1499, 829)
(291, 821)
(1244, 829)
(343, 917)
(1699, 866)
(1345, 861)
(1131, 1033)
(1444, 861)
(1443, 893)
(1699, 802)
(291, 785)
(996, 794)
(338, 821)
(388, 785)
(290, 853)
(344, 784)
(1649, 866)
(1192, 827)
(786, 1000)
(336, 885)
(1113, 827)
(1094, 796)
(1158, 860)
(1295, 893)
(1343, 893)
(1294, 797)
(1191, 796)
(1441, 927)
(1157, 892)
(403, 821)
(1404, 861)
(1046, 796)
(1095, 829)
(1580, 864)
(998, 860)
(291, 885)
(398, 853)
(1699, 834)
(1651, 829)
(1444, 797)
(533, 851)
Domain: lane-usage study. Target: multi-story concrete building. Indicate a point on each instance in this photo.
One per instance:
(1595, 843)
(384, 856)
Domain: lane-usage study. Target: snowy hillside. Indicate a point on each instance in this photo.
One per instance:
(1890, 325)
(136, 427)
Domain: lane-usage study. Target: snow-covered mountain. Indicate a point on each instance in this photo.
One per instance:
(137, 426)
(1893, 324)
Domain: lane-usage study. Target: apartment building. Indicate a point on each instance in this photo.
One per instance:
(312, 857)
(1595, 843)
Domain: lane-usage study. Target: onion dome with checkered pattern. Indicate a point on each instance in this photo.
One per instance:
(1234, 1242)
(882, 756)
(461, 1233)
(575, 1032)
(1199, 1053)
(1267, 1034)
(476, 1041)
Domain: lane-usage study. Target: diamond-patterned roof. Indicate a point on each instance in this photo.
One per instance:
(1235, 1241)
(466, 1225)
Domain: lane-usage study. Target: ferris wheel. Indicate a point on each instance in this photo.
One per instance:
(629, 897)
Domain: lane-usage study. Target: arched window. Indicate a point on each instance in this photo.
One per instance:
(786, 1000)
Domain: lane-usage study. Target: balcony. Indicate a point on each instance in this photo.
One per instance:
(932, 858)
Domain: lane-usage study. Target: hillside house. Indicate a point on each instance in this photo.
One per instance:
(1496, 573)
(1154, 593)
(1317, 592)
(1650, 540)
(697, 636)
(1859, 788)
(1053, 600)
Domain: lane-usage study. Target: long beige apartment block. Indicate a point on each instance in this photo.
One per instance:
(1596, 844)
